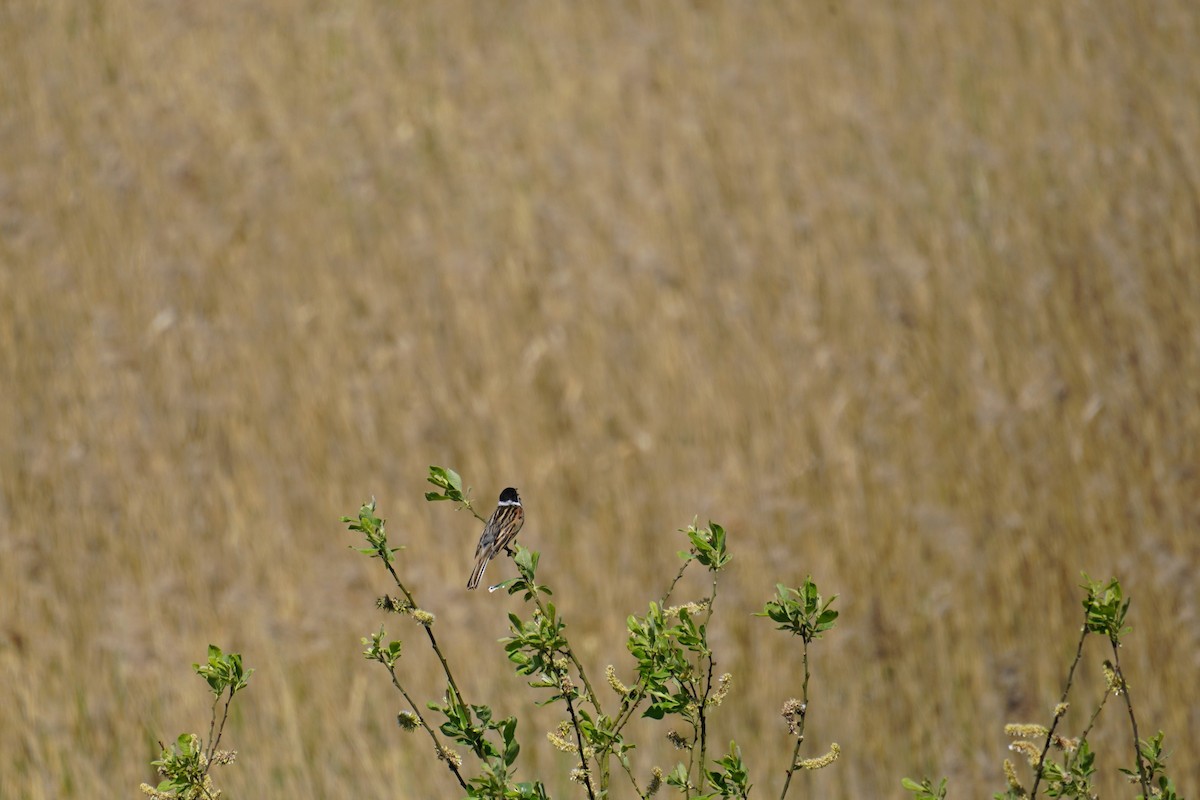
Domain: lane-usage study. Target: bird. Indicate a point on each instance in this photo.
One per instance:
(498, 533)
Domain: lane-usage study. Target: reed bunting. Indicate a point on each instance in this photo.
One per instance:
(499, 533)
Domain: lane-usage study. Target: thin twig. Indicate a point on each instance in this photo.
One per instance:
(671, 588)
(703, 703)
(591, 696)
(212, 743)
(437, 746)
(428, 629)
(1095, 715)
(632, 777)
(570, 652)
(795, 757)
(1072, 758)
(1037, 775)
(212, 722)
(799, 728)
(691, 766)
(587, 780)
(704, 725)
(1137, 746)
(629, 704)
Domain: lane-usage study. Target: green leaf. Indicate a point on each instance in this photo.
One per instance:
(1105, 608)
(508, 730)
(708, 546)
(449, 481)
(802, 612)
(527, 559)
(678, 777)
(925, 790)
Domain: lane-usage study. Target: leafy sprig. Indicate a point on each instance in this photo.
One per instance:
(185, 764)
(1105, 610)
(674, 665)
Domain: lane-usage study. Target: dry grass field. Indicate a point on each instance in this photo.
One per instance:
(906, 296)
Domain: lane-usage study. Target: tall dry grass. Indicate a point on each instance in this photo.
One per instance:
(907, 297)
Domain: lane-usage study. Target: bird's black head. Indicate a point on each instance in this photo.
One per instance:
(510, 495)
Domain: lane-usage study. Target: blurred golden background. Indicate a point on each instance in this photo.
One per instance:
(906, 296)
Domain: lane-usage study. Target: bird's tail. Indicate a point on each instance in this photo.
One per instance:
(477, 573)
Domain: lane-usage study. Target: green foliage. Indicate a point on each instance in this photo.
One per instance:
(731, 780)
(1105, 609)
(674, 667)
(184, 765)
(925, 790)
(183, 768)
(665, 673)
(678, 777)
(526, 584)
(708, 546)
(386, 654)
(449, 482)
(470, 726)
(223, 671)
(1072, 778)
(374, 531)
(802, 612)
(1154, 763)
(673, 663)
(537, 647)
(495, 781)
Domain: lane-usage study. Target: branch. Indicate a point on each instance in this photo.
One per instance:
(214, 741)
(671, 588)
(567, 690)
(569, 651)
(704, 724)
(1137, 743)
(428, 629)
(792, 767)
(437, 746)
(703, 703)
(1037, 775)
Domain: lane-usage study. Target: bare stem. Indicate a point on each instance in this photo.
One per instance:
(212, 724)
(1137, 746)
(703, 701)
(1037, 775)
(628, 706)
(428, 629)
(213, 742)
(587, 778)
(632, 779)
(671, 588)
(793, 766)
(691, 766)
(1095, 715)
